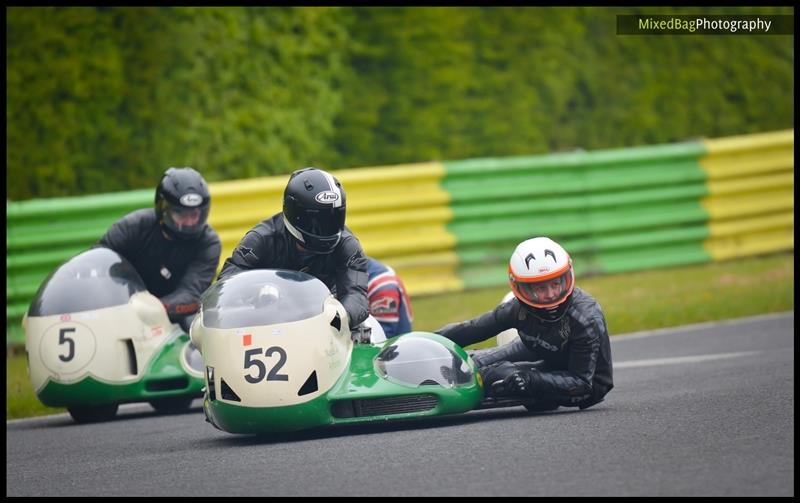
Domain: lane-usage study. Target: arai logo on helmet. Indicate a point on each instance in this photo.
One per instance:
(327, 196)
(191, 199)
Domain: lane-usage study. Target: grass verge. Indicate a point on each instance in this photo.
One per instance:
(651, 299)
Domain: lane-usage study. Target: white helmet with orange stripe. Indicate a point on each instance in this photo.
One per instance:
(541, 276)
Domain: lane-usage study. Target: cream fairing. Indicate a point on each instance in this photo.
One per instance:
(93, 317)
(275, 338)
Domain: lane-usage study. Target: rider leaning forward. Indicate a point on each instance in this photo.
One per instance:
(309, 236)
(171, 246)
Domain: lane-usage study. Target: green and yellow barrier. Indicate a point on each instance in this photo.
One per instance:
(451, 226)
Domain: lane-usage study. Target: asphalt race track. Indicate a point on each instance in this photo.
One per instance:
(705, 410)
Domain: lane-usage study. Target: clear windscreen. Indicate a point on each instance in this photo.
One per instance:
(418, 361)
(94, 279)
(263, 297)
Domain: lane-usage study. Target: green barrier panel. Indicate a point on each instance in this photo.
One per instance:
(47, 209)
(577, 180)
(489, 167)
(534, 205)
(519, 228)
(610, 209)
(587, 247)
(496, 275)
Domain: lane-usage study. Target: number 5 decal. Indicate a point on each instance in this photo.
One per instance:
(62, 338)
(67, 348)
(261, 369)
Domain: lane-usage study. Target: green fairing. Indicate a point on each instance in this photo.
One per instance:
(164, 365)
(360, 383)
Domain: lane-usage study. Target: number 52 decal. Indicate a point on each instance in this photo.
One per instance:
(250, 360)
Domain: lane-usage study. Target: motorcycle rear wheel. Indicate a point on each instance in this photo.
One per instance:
(172, 405)
(93, 413)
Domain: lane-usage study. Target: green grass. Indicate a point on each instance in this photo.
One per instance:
(651, 299)
(632, 302)
(21, 400)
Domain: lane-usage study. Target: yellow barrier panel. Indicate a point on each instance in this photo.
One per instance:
(752, 225)
(394, 211)
(751, 194)
(749, 142)
(757, 243)
(768, 202)
(428, 273)
(389, 220)
(419, 239)
(750, 184)
(757, 154)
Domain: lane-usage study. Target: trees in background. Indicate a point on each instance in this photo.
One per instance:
(103, 99)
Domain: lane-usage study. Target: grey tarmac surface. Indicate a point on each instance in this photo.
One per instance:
(705, 410)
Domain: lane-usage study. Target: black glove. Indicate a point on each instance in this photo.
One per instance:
(518, 383)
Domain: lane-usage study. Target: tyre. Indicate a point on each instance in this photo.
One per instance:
(93, 413)
(172, 405)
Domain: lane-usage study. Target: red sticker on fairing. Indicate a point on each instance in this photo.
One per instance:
(66, 317)
(247, 339)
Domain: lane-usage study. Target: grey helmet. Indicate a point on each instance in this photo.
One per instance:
(182, 203)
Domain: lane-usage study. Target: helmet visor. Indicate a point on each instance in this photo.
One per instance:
(320, 244)
(320, 230)
(185, 221)
(545, 293)
(321, 224)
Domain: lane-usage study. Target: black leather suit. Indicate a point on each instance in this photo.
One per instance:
(344, 271)
(577, 368)
(175, 271)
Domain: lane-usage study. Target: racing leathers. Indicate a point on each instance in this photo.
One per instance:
(388, 300)
(175, 271)
(344, 270)
(575, 351)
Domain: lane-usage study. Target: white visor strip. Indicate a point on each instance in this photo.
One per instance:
(294, 232)
(334, 188)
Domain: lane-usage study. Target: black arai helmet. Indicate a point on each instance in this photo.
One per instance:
(314, 209)
(182, 203)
